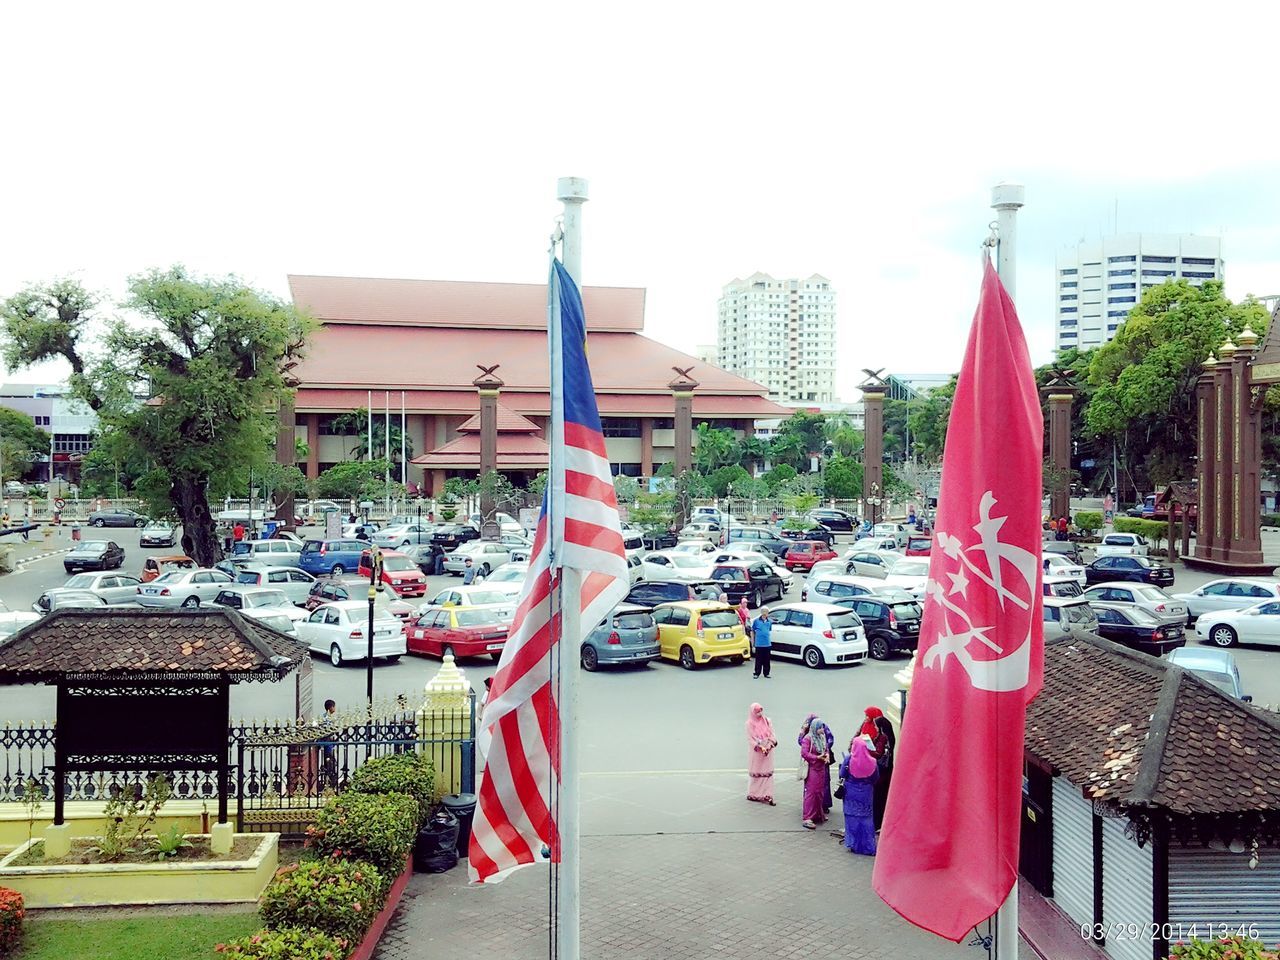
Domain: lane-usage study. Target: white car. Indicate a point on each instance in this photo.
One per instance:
(817, 634)
(506, 523)
(701, 530)
(401, 535)
(112, 587)
(485, 556)
(876, 544)
(520, 547)
(508, 580)
(278, 553)
(674, 565)
(823, 568)
(475, 595)
(1229, 593)
(910, 574)
(753, 556)
(1257, 624)
(695, 547)
(898, 531)
(182, 588)
(1122, 545)
(338, 631)
(258, 602)
(869, 563)
(635, 568)
(830, 589)
(294, 583)
(1056, 565)
(13, 621)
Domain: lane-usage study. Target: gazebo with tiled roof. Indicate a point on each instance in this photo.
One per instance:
(145, 691)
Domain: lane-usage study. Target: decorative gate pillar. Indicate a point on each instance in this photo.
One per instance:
(1206, 486)
(873, 391)
(1061, 393)
(682, 388)
(488, 385)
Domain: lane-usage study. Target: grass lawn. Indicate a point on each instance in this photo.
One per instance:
(171, 937)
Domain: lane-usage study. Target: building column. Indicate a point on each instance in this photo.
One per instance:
(1206, 470)
(435, 481)
(313, 445)
(682, 388)
(873, 392)
(1246, 540)
(646, 446)
(488, 385)
(1223, 473)
(1060, 396)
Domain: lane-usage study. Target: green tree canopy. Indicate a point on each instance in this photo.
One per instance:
(213, 354)
(842, 478)
(355, 425)
(21, 442)
(353, 480)
(779, 475)
(713, 448)
(719, 480)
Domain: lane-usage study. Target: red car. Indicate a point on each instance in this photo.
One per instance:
(399, 572)
(805, 553)
(919, 545)
(458, 631)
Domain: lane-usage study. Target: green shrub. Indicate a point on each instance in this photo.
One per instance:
(1089, 522)
(410, 773)
(336, 897)
(290, 944)
(377, 828)
(1271, 519)
(1127, 524)
(1227, 948)
(11, 914)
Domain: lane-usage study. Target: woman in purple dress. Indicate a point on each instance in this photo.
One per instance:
(831, 742)
(815, 752)
(859, 773)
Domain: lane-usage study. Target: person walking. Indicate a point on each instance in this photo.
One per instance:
(468, 573)
(760, 744)
(815, 753)
(761, 630)
(237, 532)
(858, 776)
(744, 614)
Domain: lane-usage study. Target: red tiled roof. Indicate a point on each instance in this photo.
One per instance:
(516, 451)
(508, 422)
(1135, 731)
(453, 303)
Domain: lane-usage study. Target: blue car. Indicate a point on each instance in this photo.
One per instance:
(331, 557)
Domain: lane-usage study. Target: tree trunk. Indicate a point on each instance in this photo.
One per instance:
(199, 533)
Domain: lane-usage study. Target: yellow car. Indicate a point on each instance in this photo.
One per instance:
(699, 631)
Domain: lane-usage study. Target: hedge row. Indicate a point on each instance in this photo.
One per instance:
(320, 909)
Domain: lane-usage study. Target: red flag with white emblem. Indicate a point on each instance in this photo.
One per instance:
(948, 852)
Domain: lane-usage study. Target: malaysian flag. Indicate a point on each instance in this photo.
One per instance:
(577, 530)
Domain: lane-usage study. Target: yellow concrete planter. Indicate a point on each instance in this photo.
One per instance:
(122, 884)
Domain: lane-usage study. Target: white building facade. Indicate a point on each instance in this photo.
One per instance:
(781, 333)
(1097, 284)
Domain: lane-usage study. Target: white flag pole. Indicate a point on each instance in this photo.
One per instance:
(368, 446)
(386, 452)
(404, 446)
(1006, 200)
(572, 192)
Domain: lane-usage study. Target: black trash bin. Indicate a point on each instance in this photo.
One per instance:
(436, 849)
(462, 806)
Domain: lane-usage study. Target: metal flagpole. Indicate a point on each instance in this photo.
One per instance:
(386, 453)
(572, 192)
(404, 446)
(1006, 200)
(368, 446)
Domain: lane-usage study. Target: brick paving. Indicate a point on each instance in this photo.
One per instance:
(776, 894)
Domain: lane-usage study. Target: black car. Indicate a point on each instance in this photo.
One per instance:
(759, 539)
(813, 533)
(834, 519)
(757, 582)
(1067, 548)
(117, 518)
(454, 535)
(1135, 628)
(892, 625)
(1138, 569)
(650, 593)
(659, 540)
(94, 555)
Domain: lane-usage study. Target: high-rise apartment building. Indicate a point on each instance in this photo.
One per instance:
(1097, 284)
(782, 334)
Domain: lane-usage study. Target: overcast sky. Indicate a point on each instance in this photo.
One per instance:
(424, 140)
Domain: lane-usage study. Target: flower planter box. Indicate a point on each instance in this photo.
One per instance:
(123, 884)
(364, 949)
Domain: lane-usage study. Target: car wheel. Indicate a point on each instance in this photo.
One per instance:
(686, 657)
(99, 522)
(1222, 636)
(590, 659)
(813, 658)
(335, 655)
(139, 524)
(879, 648)
(191, 603)
(756, 598)
(337, 570)
(395, 659)
(497, 656)
(448, 652)
(737, 660)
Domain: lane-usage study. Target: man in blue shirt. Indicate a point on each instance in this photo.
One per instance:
(761, 642)
(468, 573)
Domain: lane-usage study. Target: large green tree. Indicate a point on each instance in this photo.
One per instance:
(713, 448)
(21, 443)
(211, 355)
(1143, 381)
(842, 478)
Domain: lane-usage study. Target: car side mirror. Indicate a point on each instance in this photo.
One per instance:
(1247, 698)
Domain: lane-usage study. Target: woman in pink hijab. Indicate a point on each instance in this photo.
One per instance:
(761, 741)
(858, 775)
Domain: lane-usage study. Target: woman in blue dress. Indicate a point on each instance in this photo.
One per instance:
(858, 775)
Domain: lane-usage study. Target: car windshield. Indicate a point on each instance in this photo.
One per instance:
(267, 598)
(1223, 681)
(1113, 540)
(1138, 615)
(1079, 613)
(919, 543)
(640, 620)
(278, 621)
(1151, 593)
(81, 581)
(687, 562)
(720, 618)
(909, 568)
(92, 546)
(247, 577)
(395, 564)
(507, 574)
(843, 621)
(157, 525)
(486, 596)
(477, 618)
(169, 577)
(907, 611)
(732, 574)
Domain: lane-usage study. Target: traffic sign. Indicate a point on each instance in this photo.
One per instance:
(59, 503)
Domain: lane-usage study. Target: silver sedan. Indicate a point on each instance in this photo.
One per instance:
(1146, 596)
(183, 588)
(112, 587)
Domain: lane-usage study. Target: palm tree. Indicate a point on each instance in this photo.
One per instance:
(713, 448)
(840, 432)
(356, 424)
(752, 451)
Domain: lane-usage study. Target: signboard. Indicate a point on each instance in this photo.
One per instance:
(332, 525)
(131, 729)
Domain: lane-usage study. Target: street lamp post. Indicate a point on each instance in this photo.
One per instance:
(375, 582)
